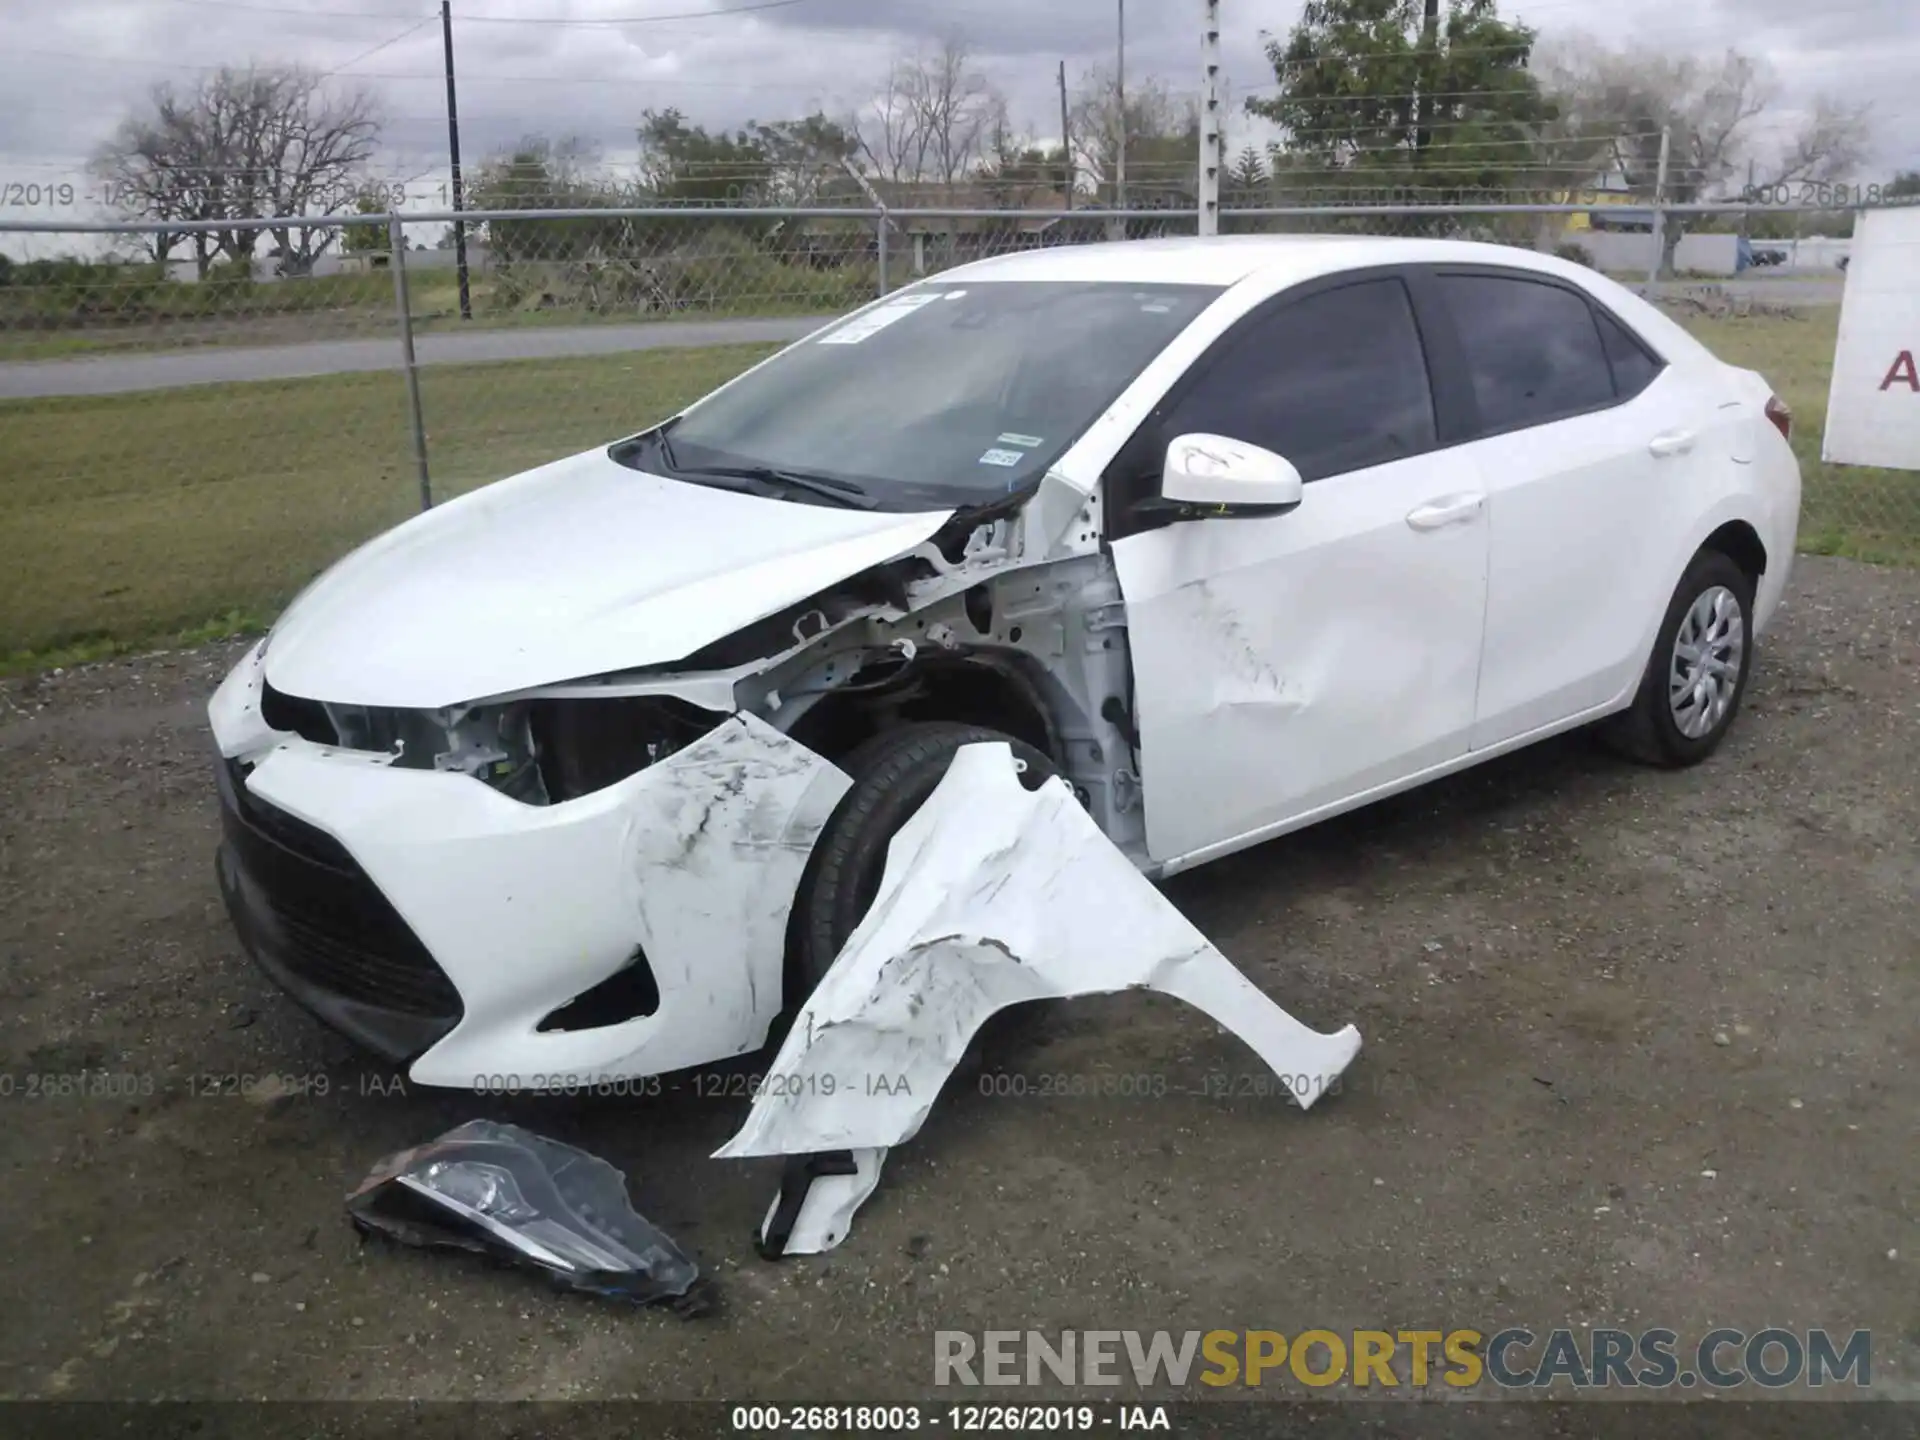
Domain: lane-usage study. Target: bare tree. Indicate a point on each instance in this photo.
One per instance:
(1162, 130)
(248, 143)
(147, 173)
(1716, 115)
(933, 117)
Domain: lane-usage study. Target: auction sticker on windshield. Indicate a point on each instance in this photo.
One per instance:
(877, 319)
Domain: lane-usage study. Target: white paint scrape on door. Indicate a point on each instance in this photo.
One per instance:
(1873, 409)
(994, 895)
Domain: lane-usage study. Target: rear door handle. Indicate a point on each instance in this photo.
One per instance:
(1447, 510)
(1673, 442)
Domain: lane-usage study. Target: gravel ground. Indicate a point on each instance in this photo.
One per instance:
(1639, 1051)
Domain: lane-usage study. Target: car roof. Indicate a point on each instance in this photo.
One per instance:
(1228, 259)
(1270, 263)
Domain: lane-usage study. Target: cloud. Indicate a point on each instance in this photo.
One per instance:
(72, 71)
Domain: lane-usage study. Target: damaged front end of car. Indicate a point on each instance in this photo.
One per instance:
(590, 878)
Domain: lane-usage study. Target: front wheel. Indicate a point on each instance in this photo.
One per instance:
(893, 774)
(1697, 674)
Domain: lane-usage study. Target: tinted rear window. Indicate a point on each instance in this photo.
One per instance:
(1533, 350)
(1633, 367)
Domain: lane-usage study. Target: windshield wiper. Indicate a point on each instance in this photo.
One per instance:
(841, 492)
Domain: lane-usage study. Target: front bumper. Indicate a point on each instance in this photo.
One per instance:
(322, 930)
(441, 923)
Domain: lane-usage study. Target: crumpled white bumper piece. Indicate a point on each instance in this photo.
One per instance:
(993, 895)
(695, 860)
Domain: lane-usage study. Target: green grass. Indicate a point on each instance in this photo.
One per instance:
(128, 519)
(105, 310)
(57, 324)
(1845, 509)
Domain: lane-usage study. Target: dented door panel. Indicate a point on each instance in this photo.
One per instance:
(1282, 664)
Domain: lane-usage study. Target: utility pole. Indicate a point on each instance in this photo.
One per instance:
(1066, 135)
(1423, 97)
(1120, 94)
(1210, 149)
(1659, 227)
(453, 156)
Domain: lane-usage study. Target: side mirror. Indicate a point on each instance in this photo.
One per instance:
(1210, 473)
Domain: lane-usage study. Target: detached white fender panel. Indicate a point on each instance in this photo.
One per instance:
(993, 895)
(694, 861)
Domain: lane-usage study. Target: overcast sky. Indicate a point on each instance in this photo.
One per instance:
(73, 68)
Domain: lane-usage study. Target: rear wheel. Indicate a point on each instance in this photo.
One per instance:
(893, 774)
(1697, 674)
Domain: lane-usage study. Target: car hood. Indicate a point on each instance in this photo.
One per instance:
(577, 568)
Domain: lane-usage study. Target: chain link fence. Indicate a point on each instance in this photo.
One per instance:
(189, 439)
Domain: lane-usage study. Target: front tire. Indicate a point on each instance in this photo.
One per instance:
(893, 774)
(1697, 674)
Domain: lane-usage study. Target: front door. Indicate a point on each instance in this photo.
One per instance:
(1285, 664)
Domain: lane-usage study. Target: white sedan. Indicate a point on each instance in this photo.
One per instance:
(589, 775)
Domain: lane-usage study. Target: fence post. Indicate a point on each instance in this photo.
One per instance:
(882, 233)
(1659, 211)
(1207, 222)
(397, 260)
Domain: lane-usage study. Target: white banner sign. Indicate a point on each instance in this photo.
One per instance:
(1873, 410)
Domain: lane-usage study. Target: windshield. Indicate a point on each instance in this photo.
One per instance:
(946, 395)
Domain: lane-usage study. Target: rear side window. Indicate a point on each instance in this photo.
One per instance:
(1633, 367)
(1533, 351)
(1335, 381)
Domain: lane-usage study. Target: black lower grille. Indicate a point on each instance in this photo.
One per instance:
(393, 979)
(316, 920)
(285, 830)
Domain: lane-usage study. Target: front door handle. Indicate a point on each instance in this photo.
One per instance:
(1673, 442)
(1448, 510)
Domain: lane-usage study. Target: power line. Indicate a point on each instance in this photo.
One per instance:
(365, 54)
(650, 81)
(465, 19)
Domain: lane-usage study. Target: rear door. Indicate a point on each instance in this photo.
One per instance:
(1285, 664)
(1584, 439)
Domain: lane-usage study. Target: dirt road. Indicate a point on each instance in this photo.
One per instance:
(1639, 1050)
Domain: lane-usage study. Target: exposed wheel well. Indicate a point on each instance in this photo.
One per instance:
(1740, 543)
(967, 690)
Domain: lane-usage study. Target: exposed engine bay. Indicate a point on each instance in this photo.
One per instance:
(630, 863)
(1036, 651)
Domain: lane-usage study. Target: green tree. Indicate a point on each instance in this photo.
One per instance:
(1015, 169)
(1370, 97)
(367, 239)
(806, 159)
(539, 174)
(681, 164)
(1904, 186)
(1247, 177)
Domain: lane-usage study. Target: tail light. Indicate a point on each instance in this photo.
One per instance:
(1781, 416)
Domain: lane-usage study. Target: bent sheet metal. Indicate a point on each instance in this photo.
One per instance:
(992, 895)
